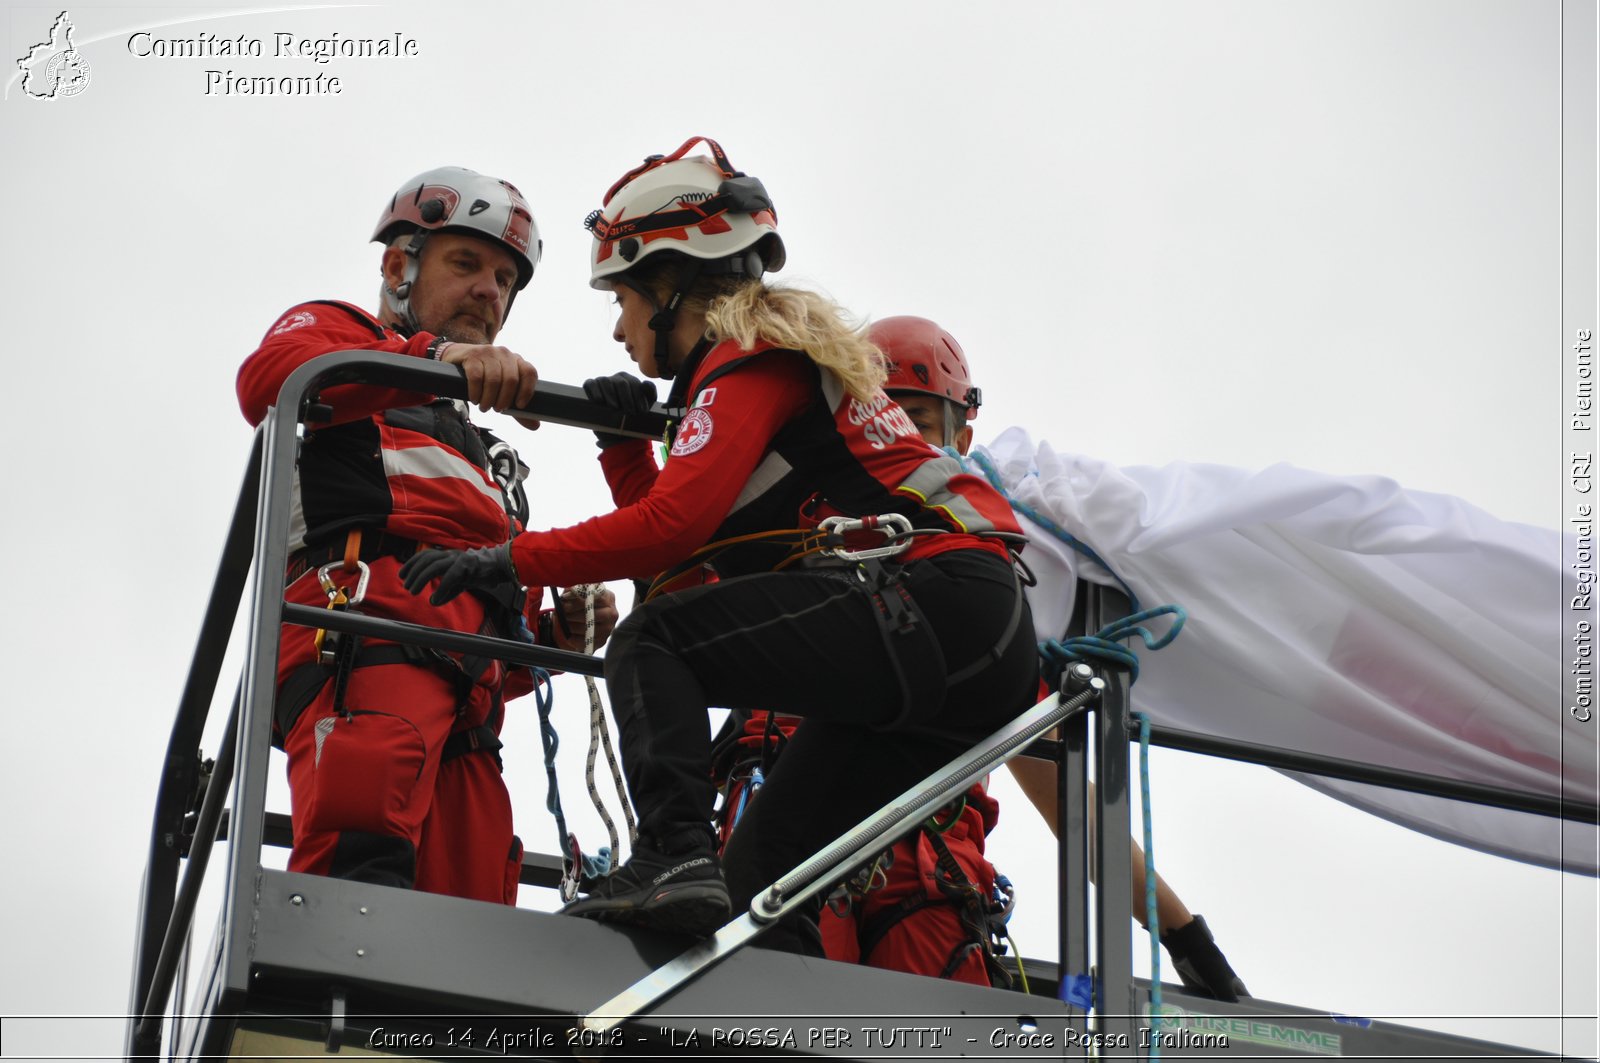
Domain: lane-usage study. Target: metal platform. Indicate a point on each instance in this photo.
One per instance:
(421, 975)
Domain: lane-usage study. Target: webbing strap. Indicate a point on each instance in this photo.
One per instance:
(480, 739)
(302, 686)
(998, 650)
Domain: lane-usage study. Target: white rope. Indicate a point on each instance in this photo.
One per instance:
(600, 736)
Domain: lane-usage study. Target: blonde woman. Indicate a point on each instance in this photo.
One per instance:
(896, 665)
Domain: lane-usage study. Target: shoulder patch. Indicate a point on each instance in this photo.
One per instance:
(706, 397)
(694, 431)
(292, 321)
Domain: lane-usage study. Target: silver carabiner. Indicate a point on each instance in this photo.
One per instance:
(333, 590)
(894, 527)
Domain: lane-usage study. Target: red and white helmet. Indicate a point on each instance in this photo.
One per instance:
(697, 206)
(925, 358)
(455, 199)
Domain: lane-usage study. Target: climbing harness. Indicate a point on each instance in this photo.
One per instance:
(338, 654)
(894, 527)
(836, 538)
(336, 650)
(982, 915)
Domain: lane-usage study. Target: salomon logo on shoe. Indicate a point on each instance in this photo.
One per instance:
(697, 862)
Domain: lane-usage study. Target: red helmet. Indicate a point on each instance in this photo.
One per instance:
(925, 358)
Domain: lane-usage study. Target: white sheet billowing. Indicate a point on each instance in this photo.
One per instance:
(1344, 616)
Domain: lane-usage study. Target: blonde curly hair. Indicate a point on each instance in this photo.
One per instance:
(748, 312)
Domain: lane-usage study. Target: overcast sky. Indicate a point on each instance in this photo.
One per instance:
(1235, 232)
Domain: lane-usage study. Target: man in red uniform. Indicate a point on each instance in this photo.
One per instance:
(393, 754)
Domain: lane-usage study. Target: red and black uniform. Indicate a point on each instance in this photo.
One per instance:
(770, 441)
(911, 910)
(400, 783)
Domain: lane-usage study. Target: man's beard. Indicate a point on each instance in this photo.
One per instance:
(464, 328)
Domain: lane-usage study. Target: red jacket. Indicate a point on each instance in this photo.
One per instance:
(769, 442)
(406, 462)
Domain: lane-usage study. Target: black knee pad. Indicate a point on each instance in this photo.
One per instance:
(382, 859)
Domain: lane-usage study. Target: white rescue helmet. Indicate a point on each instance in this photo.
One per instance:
(456, 199)
(698, 206)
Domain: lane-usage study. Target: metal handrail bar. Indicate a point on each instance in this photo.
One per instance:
(1391, 778)
(181, 764)
(820, 871)
(508, 650)
(172, 944)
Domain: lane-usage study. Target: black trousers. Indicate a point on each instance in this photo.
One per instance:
(810, 644)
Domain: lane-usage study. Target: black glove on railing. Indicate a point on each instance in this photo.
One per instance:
(1200, 964)
(625, 392)
(486, 568)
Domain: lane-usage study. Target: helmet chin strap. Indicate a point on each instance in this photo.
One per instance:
(665, 318)
(662, 322)
(949, 423)
(398, 298)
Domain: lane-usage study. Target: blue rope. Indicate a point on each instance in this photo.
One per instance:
(1105, 645)
(599, 865)
(750, 787)
(1152, 922)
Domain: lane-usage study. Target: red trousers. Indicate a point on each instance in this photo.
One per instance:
(371, 798)
(930, 938)
(870, 930)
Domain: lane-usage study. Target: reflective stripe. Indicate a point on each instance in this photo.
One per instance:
(772, 469)
(320, 732)
(930, 484)
(437, 463)
(297, 515)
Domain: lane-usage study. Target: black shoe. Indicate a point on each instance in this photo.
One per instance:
(1201, 966)
(680, 892)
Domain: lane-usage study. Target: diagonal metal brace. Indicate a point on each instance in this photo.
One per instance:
(823, 869)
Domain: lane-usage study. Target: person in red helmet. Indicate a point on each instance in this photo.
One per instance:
(930, 379)
(394, 771)
(927, 903)
(896, 667)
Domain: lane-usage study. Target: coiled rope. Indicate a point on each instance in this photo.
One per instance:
(577, 868)
(600, 737)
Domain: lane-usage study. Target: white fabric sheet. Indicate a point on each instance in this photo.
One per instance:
(1344, 616)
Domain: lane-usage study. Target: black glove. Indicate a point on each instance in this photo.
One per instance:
(487, 568)
(1201, 965)
(625, 392)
